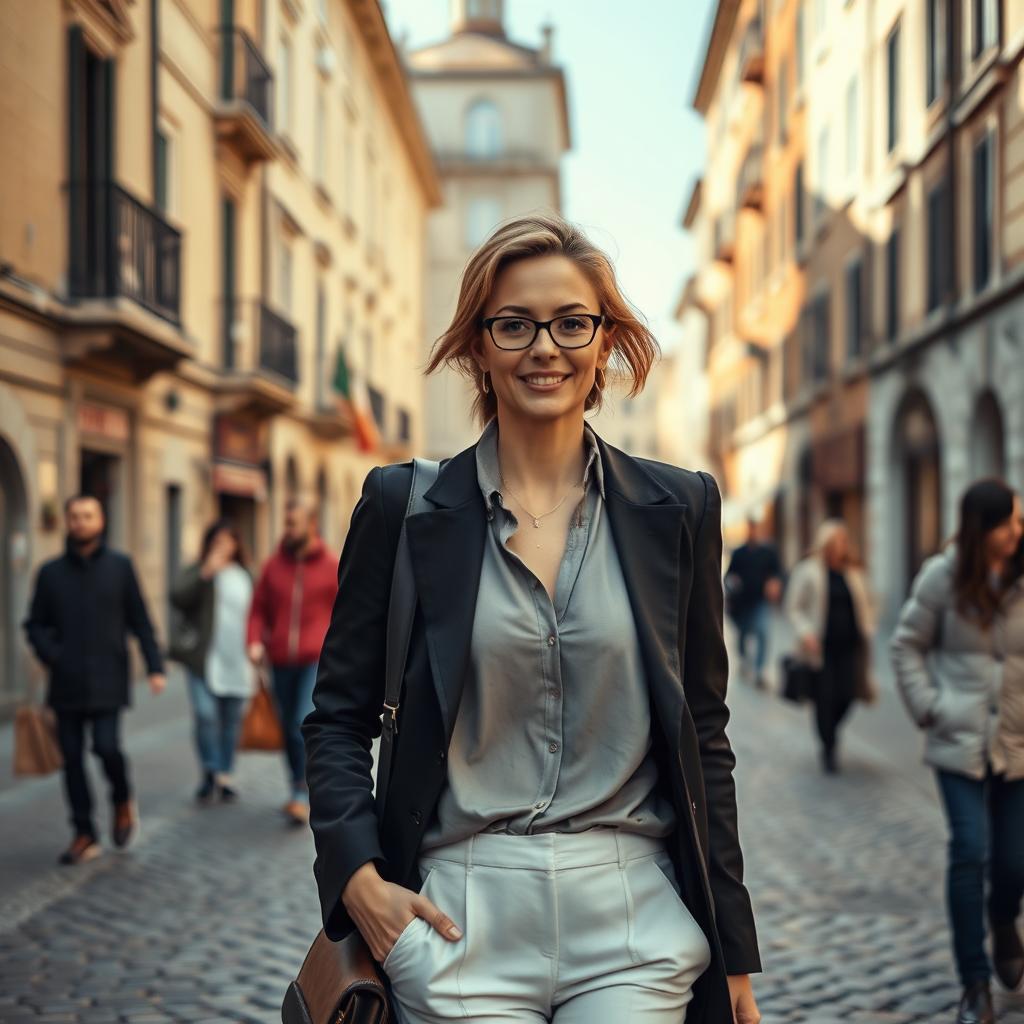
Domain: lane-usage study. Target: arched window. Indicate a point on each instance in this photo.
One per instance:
(482, 216)
(483, 130)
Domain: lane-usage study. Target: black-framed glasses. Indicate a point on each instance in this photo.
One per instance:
(571, 330)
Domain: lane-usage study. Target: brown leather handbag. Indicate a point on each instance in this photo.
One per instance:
(340, 982)
(36, 751)
(261, 728)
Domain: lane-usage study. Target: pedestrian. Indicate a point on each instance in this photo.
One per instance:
(290, 612)
(565, 814)
(213, 598)
(753, 583)
(85, 603)
(828, 605)
(958, 650)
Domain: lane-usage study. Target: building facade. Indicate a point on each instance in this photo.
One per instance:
(497, 119)
(860, 284)
(209, 201)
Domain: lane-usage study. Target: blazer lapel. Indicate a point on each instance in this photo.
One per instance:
(648, 525)
(446, 550)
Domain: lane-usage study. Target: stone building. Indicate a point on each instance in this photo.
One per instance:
(203, 202)
(496, 115)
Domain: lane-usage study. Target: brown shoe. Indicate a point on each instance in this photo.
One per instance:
(1008, 956)
(126, 823)
(83, 848)
(297, 812)
(976, 1005)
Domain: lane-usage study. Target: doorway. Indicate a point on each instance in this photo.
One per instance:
(102, 477)
(14, 562)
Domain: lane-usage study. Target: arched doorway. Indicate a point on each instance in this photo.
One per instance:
(14, 563)
(917, 484)
(988, 452)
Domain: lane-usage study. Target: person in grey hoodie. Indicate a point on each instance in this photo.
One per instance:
(958, 651)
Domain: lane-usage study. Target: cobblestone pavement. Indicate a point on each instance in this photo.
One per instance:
(206, 918)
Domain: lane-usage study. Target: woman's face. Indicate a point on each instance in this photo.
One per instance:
(542, 382)
(226, 545)
(1002, 542)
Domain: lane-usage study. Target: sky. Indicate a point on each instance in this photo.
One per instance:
(631, 68)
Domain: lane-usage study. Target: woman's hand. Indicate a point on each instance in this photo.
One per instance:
(381, 911)
(810, 645)
(741, 995)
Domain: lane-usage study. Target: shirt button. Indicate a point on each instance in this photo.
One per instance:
(556, 694)
(553, 747)
(551, 641)
(539, 806)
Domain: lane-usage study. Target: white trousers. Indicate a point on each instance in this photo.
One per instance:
(575, 929)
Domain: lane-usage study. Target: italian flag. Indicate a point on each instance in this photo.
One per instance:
(353, 399)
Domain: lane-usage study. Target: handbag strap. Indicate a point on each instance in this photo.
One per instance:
(401, 611)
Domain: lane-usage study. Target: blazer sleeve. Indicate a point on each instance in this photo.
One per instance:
(916, 635)
(188, 588)
(706, 672)
(347, 702)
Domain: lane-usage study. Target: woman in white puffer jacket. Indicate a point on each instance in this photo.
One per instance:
(958, 651)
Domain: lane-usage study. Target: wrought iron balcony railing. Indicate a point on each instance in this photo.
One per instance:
(278, 350)
(245, 75)
(119, 246)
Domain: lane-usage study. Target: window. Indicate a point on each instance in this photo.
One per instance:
(162, 170)
(798, 206)
(320, 141)
(938, 244)
(284, 84)
(321, 346)
(482, 216)
(483, 130)
(892, 284)
(854, 309)
(984, 26)
(892, 124)
(349, 158)
(228, 288)
(823, 174)
(852, 128)
(935, 62)
(783, 102)
(284, 276)
(820, 336)
(983, 211)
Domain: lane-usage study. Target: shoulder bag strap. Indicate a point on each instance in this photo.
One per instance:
(401, 610)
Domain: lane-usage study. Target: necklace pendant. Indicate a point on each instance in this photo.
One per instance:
(536, 524)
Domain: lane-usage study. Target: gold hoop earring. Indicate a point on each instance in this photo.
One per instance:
(486, 385)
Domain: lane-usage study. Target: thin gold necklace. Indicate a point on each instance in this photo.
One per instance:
(537, 518)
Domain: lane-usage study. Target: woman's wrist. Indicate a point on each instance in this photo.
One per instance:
(361, 886)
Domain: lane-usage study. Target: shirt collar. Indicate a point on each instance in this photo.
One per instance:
(489, 476)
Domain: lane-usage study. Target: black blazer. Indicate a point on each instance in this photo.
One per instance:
(666, 524)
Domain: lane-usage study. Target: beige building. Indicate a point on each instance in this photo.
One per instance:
(207, 201)
(861, 241)
(496, 116)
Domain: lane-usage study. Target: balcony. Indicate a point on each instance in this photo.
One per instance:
(243, 115)
(260, 353)
(752, 53)
(124, 282)
(750, 182)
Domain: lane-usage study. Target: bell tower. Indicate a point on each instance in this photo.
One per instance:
(483, 16)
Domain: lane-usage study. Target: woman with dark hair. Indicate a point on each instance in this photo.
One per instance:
(213, 597)
(559, 840)
(958, 651)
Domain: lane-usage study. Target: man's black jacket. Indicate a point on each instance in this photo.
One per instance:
(81, 613)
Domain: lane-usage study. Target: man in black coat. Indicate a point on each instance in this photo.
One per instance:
(85, 603)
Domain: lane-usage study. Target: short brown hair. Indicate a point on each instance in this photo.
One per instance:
(635, 347)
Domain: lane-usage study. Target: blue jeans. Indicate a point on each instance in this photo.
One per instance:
(217, 721)
(752, 621)
(986, 831)
(293, 692)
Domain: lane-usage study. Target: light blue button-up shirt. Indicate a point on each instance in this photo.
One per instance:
(553, 732)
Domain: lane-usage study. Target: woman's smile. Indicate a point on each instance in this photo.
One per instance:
(537, 381)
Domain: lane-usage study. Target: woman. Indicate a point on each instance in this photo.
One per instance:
(561, 793)
(828, 606)
(958, 651)
(213, 597)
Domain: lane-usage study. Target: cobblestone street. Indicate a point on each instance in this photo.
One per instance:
(208, 916)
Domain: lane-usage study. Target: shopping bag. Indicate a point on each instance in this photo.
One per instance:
(36, 750)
